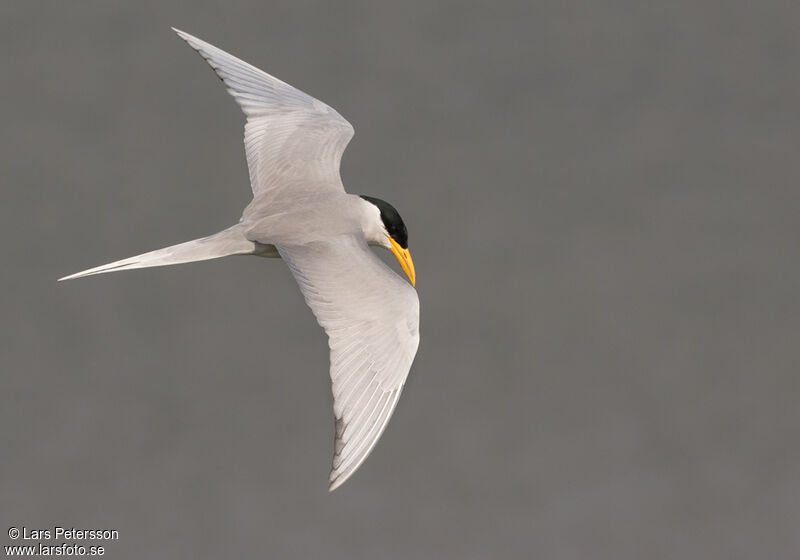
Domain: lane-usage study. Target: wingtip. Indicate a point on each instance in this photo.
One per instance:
(337, 477)
(182, 34)
(336, 482)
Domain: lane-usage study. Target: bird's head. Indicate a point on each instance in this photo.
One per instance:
(389, 232)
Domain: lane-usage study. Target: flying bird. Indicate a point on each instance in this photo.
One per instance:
(301, 213)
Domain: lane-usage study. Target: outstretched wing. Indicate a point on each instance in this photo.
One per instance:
(294, 143)
(371, 316)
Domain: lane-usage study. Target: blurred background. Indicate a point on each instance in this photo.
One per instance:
(603, 210)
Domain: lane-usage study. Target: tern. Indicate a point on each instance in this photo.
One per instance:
(301, 213)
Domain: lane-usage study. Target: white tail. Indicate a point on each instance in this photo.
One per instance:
(227, 242)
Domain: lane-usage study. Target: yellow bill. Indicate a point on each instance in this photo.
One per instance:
(404, 258)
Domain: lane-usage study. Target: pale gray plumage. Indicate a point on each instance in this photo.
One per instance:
(372, 338)
(300, 212)
(294, 143)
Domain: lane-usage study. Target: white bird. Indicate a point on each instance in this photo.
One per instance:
(301, 213)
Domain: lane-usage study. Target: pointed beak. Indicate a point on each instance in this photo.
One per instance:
(404, 258)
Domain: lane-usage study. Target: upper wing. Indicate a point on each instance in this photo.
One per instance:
(371, 317)
(294, 143)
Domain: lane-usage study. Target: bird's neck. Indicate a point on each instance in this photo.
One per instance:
(371, 224)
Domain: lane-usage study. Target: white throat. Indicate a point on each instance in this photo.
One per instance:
(372, 225)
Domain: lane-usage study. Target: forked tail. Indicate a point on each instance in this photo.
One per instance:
(227, 242)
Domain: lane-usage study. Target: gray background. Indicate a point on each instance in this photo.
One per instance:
(603, 208)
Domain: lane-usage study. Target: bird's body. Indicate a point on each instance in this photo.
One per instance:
(301, 213)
